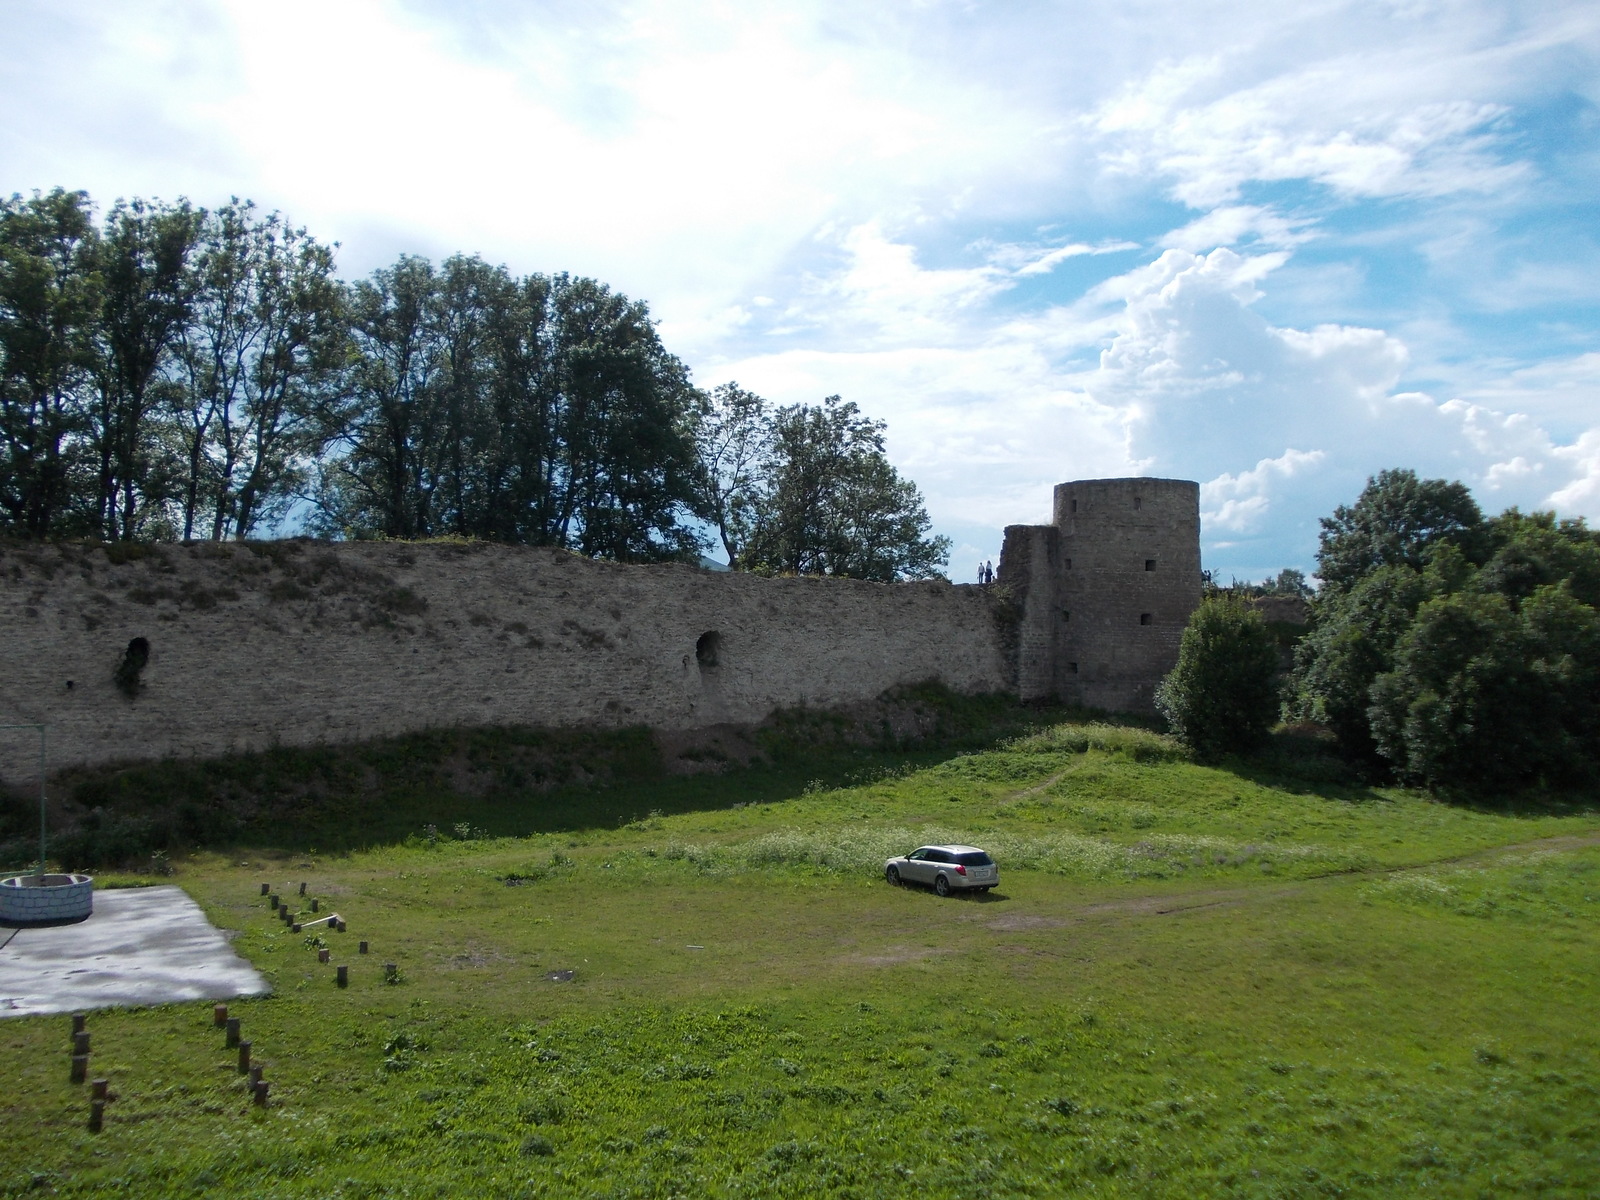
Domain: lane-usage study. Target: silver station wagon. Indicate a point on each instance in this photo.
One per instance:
(946, 868)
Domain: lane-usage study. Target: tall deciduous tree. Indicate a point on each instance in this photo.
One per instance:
(146, 287)
(261, 356)
(543, 410)
(1397, 518)
(49, 302)
(833, 504)
(733, 444)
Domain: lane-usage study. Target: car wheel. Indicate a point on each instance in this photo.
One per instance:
(892, 874)
(941, 885)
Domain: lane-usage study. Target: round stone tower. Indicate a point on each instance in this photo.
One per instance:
(1127, 576)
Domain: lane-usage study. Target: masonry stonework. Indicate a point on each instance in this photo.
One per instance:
(201, 650)
(1105, 590)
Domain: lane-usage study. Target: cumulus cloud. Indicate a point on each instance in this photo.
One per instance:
(1239, 503)
(922, 206)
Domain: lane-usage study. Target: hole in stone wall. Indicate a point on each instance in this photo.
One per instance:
(1149, 564)
(134, 658)
(1069, 564)
(1072, 668)
(707, 648)
(1074, 506)
(1145, 618)
(1065, 615)
(1137, 503)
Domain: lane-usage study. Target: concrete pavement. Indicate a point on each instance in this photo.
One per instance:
(140, 946)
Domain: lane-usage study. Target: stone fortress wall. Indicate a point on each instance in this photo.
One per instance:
(300, 642)
(1105, 590)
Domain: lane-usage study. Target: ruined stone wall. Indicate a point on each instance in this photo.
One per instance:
(1105, 590)
(1130, 577)
(303, 642)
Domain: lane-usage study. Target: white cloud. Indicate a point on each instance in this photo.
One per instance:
(1240, 503)
(785, 186)
(1234, 224)
(1347, 124)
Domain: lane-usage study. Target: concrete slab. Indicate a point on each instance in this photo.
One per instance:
(140, 946)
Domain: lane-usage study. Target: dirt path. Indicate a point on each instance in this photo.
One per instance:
(1174, 903)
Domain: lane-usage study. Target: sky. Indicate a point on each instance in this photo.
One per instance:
(1274, 248)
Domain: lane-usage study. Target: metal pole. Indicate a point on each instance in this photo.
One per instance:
(41, 728)
(41, 804)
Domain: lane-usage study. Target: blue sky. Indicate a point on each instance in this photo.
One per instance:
(1271, 247)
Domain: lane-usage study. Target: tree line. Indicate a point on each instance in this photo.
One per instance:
(1446, 649)
(176, 373)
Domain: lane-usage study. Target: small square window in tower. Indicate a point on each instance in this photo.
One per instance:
(1065, 615)
(1145, 618)
(1072, 668)
(1149, 564)
(1138, 503)
(1074, 506)
(1068, 564)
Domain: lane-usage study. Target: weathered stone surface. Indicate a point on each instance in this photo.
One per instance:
(172, 651)
(303, 642)
(1106, 590)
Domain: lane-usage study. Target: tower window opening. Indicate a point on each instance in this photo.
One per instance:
(1146, 618)
(1149, 564)
(1069, 564)
(1065, 615)
(1074, 506)
(1137, 503)
(1072, 668)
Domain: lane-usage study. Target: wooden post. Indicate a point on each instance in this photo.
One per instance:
(302, 888)
(266, 889)
(272, 901)
(219, 1015)
(390, 970)
(80, 1068)
(80, 1042)
(322, 955)
(255, 1074)
(342, 974)
(233, 1032)
(316, 906)
(363, 947)
(97, 1115)
(296, 928)
(339, 924)
(78, 1021)
(260, 1092)
(100, 1088)
(244, 1058)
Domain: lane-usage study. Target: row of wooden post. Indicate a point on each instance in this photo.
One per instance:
(100, 1089)
(232, 1029)
(334, 921)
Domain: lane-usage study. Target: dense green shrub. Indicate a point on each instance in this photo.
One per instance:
(1222, 697)
(1486, 696)
(1450, 651)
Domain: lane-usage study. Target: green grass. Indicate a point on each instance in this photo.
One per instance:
(1256, 981)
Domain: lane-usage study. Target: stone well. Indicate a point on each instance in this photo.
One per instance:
(35, 899)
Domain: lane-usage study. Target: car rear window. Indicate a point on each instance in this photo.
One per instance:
(975, 858)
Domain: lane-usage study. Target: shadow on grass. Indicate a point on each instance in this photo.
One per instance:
(1306, 761)
(494, 781)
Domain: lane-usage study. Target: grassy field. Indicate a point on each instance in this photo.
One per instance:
(1256, 981)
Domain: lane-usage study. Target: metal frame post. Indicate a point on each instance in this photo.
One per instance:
(41, 727)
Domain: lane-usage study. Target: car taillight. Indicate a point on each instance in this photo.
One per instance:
(960, 870)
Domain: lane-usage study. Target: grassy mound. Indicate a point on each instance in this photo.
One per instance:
(1191, 981)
